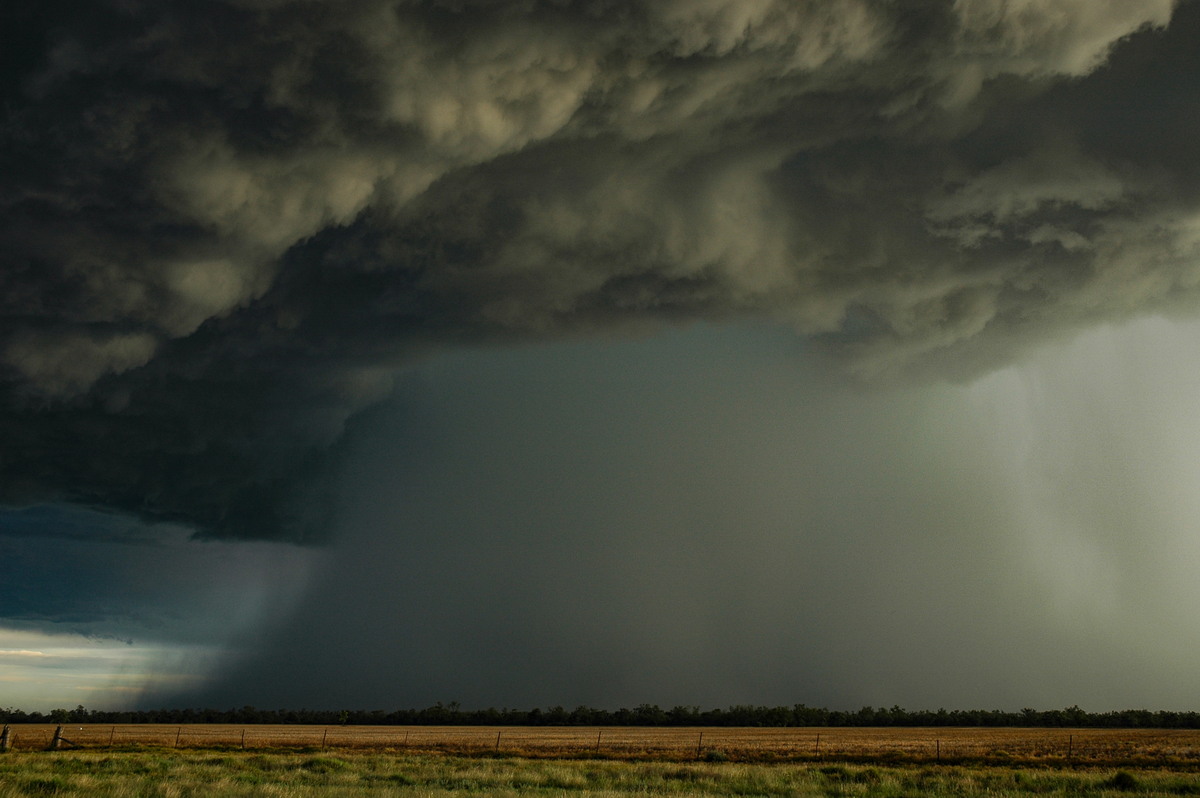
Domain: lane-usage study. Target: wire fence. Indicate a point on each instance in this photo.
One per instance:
(1016, 745)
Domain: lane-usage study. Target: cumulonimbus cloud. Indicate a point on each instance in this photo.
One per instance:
(226, 224)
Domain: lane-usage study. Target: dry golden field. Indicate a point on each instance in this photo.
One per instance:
(1175, 747)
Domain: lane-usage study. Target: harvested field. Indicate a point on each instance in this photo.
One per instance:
(1145, 747)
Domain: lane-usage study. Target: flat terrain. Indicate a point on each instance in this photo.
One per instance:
(1178, 749)
(190, 773)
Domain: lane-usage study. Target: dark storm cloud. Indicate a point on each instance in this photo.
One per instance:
(225, 225)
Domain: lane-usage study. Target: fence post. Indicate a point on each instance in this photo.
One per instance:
(598, 733)
(817, 747)
(178, 732)
(323, 736)
(1070, 746)
(57, 740)
(498, 739)
(112, 734)
(939, 751)
(5, 739)
(698, 744)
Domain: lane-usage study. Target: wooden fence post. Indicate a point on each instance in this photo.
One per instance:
(5, 739)
(699, 743)
(598, 733)
(939, 751)
(498, 739)
(323, 736)
(57, 739)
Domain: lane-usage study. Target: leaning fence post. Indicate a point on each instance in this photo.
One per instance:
(699, 743)
(57, 740)
(5, 739)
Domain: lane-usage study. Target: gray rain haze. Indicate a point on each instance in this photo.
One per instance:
(605, 351)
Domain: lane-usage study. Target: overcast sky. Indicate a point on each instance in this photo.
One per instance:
(603, 352)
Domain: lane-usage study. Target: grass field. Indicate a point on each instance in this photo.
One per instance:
(185, 773)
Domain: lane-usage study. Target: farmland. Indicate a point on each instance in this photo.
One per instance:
(1176, 748)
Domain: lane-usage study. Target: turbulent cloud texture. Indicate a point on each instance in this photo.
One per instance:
(224, 226)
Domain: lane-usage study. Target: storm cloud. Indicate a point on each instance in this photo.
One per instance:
(686, 314)
(226, 226)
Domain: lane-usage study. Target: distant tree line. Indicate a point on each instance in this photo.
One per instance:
(642, 715)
